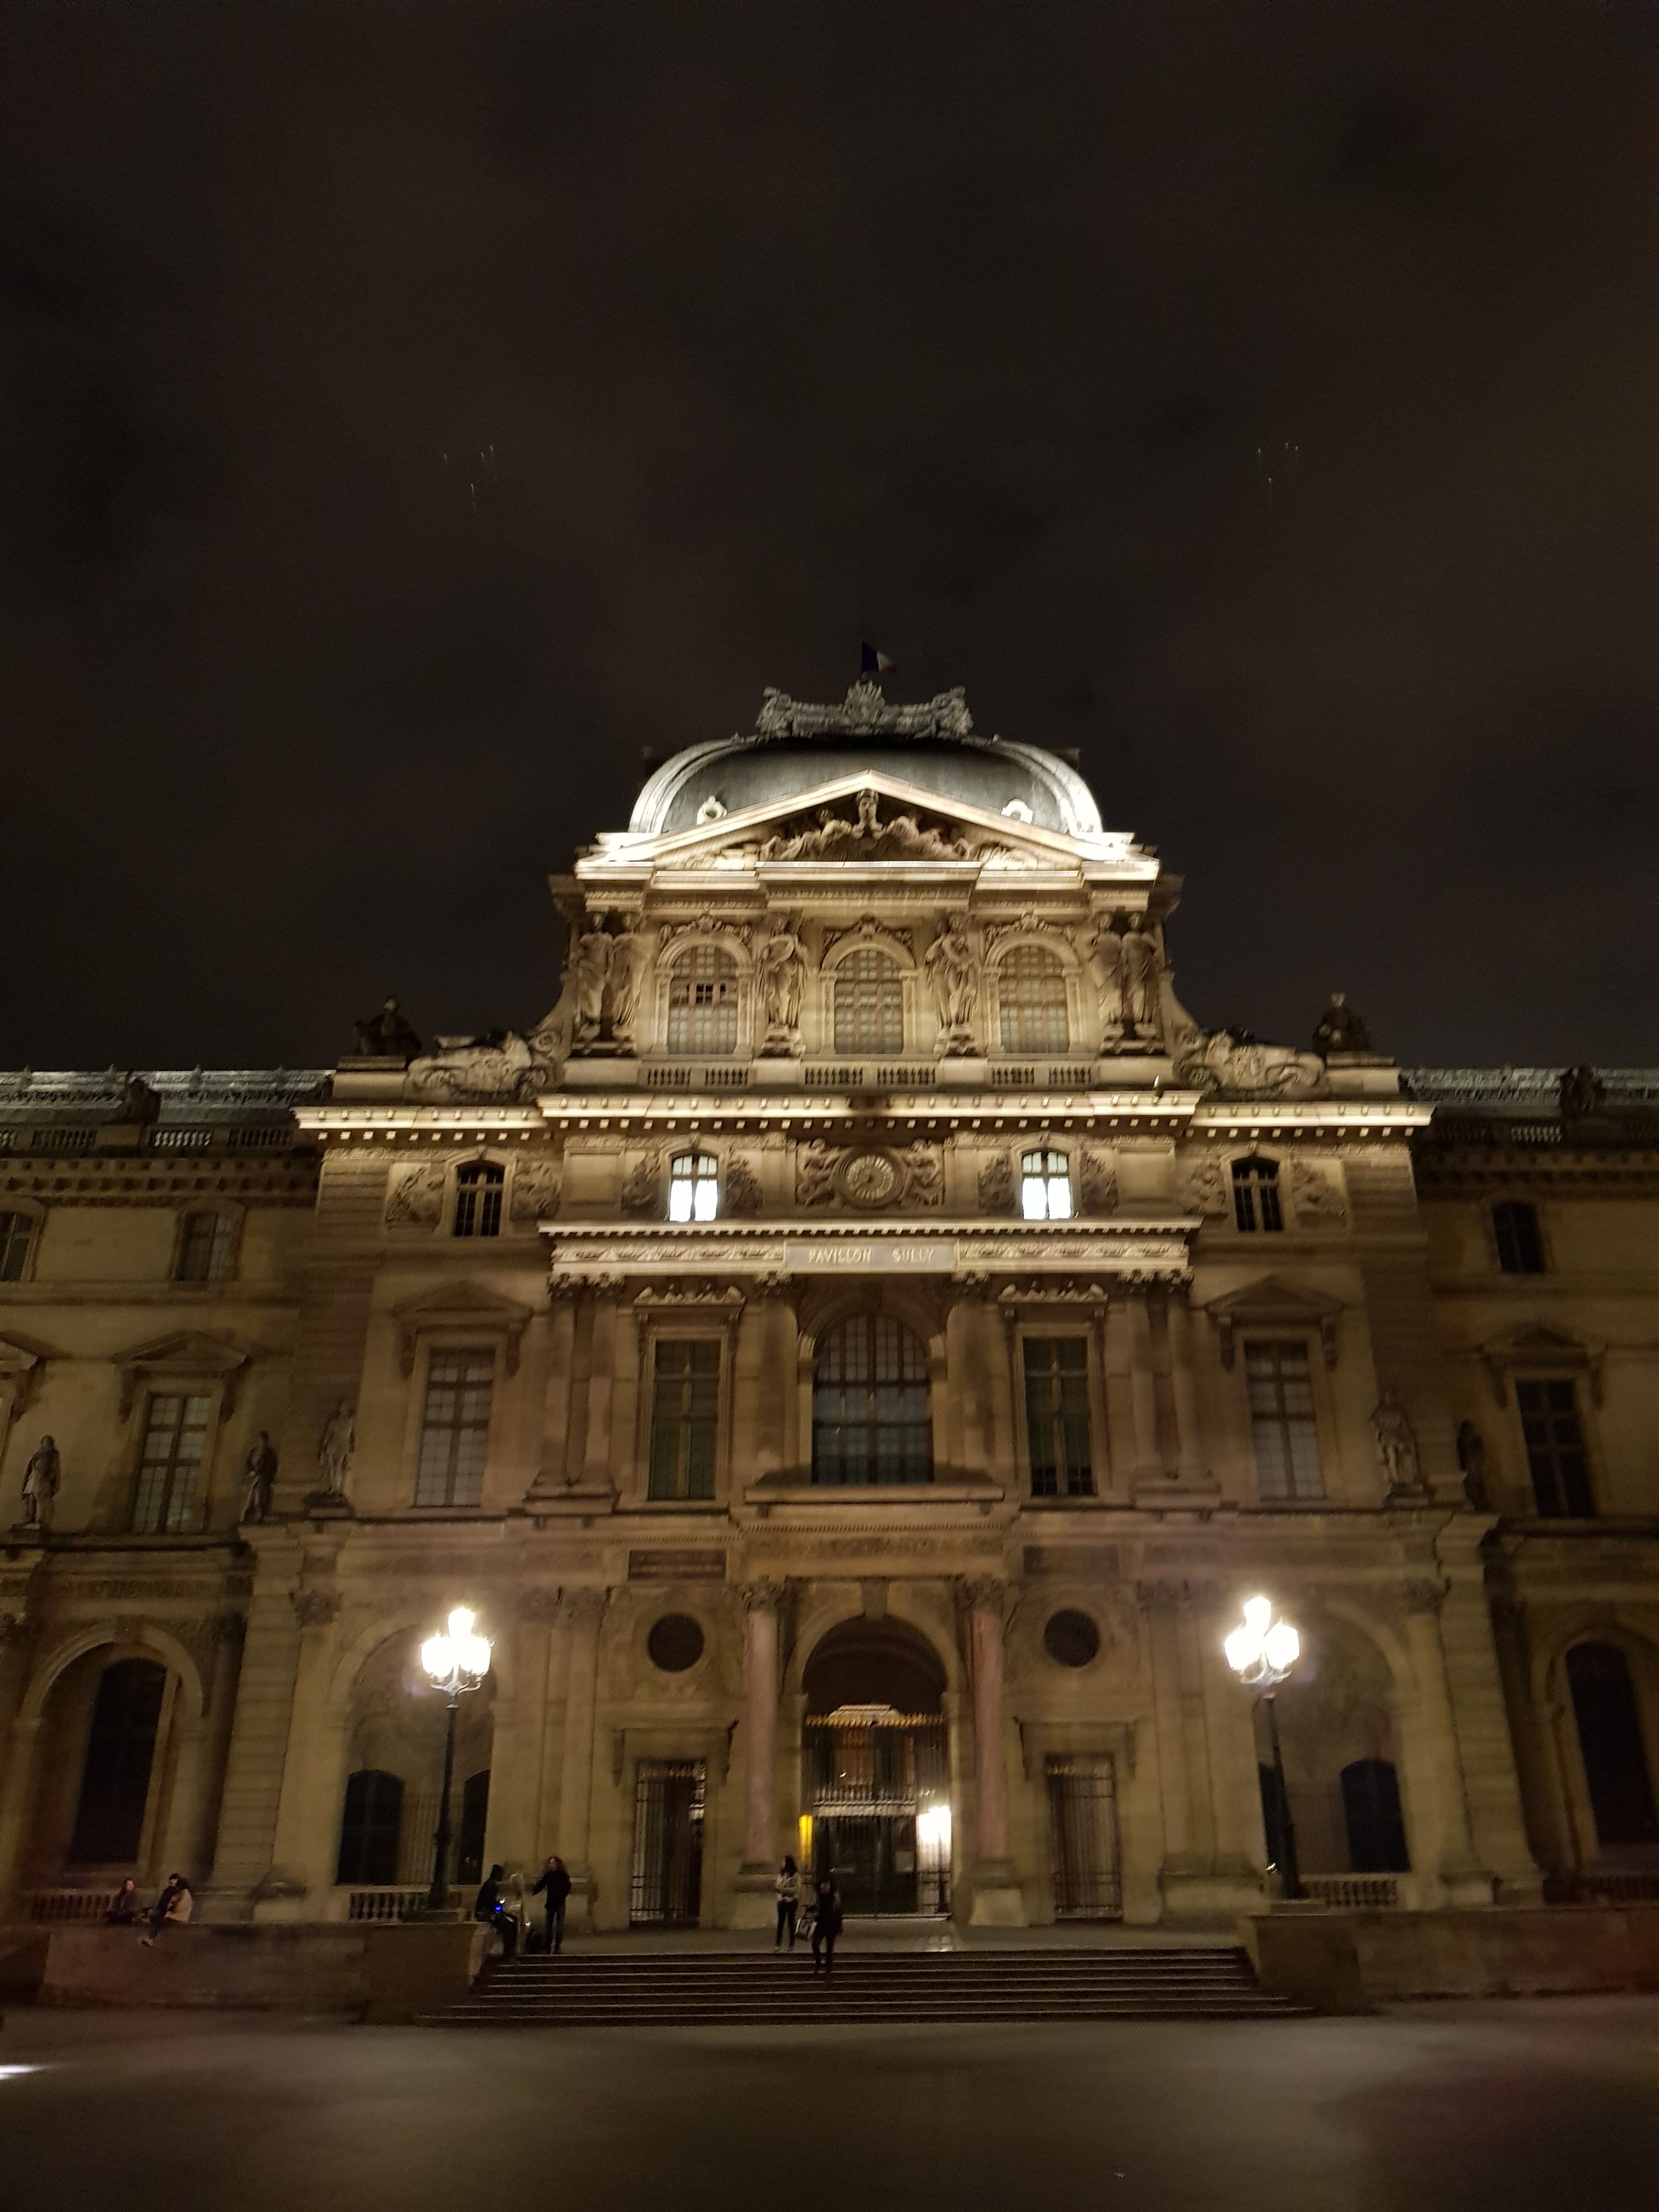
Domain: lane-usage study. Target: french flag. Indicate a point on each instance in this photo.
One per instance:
(873, 663)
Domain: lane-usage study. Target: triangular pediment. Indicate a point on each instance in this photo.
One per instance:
(1271, 1301)
(187, 1356)
(463, 1305)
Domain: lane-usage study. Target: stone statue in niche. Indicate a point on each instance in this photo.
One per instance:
(1140, 975)
(1472, 1458)
(741, 1198)
(590, 966)
(629, 954)
(334, 1449)
(1340, 1029)
(387, 1036)
(996, 1185)
(953, 971)
(1106, 969)
(782, 972)
(42, 1479)
(1097, 1185)
(1396, 1446)
(258, 1477)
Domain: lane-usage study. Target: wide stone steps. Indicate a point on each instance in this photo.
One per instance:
(664, 1988)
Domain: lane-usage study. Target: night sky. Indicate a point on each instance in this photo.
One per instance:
(412, 412)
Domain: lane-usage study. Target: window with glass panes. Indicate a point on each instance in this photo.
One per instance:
(1057, 1416)
(685, 1406)
(170, 1468)
(1032, 1001)
(1283, 1428)
(1514, 1231)
(15, 1230)
(454, 1428)
(870, 1404)
(204, 1248)
(694, 1188)
(702, 1001)
(1045, 1187)
(1255, 1194)
(869, 1003)
(478, 1188)
(1555, 1449)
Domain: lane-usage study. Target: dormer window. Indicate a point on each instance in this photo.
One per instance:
(1255, 1195)
(1045, 1187)
(694, 1190)
(478, 1188)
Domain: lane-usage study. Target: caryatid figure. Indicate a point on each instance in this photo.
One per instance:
(1106, 966)
(953, 971)
(629, 953)
(591, 963)
(1138, 952)
(782, 969)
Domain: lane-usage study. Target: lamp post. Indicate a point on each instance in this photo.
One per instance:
(456, 1659)
(1261, 1653)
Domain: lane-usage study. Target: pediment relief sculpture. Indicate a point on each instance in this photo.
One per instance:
(501, 1064)
(537, 1187)
(864, 712)
(866, 836)
(1237, 1065)
(416, 1199)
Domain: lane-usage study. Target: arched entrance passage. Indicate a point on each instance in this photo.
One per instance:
(876, 1769)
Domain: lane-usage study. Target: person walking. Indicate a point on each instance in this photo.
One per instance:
(490, 1906)
(172, 1909)
(786, 1890)
(554, 1885)
(826, 1921)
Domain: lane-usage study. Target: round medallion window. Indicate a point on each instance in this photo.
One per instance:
(870, 1179)
(1071, 1639)
(675, 1643)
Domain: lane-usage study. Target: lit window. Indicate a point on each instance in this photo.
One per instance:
(702, 1002)
(684, 1418)
(1556, 1457)
(1255, 1194)
(15, 1230)
(869, 1003)
(1032, 1001)
(455, 1429)
(694, 1189)
(204, 1248)
(1519, 1247)
(175, 1436)
(1283, 1429)
(478, 1188)
(1045, 1187)
(1057, 1416)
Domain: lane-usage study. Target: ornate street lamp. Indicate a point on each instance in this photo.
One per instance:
(456, 1659)
(1261, 1653)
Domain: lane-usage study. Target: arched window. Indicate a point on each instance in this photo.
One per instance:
(870, 1404)
(370, 1827)
(702, 1001)
(869, 1003)
(1031, 1001)
(109, 1816)
(478, 1188)
(1255, 1194)
(693, 1187)
(1045, 1187)
(1370, 1811)
(1609, 1724)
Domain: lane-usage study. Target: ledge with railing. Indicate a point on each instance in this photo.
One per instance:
(1353, 1893)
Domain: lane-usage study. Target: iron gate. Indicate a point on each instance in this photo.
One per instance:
(878, 1793)
(667, 1884)
(1083, 1815)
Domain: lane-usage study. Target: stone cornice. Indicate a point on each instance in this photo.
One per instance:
(1154, 1248)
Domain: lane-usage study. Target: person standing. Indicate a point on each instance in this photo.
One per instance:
(172, 1909)
(490, 1906)
(786, 1890)
(826, 1922)
(554, 1885)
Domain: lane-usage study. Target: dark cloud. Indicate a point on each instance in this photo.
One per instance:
(1258, 397)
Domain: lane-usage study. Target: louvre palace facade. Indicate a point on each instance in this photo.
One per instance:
(856, 1356)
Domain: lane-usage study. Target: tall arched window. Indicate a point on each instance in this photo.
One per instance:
(1255, 1194)
(1031, 1001)
(1609, 1723)
(869, 1003)
(702, 1001)
(1371, 1814)
(109, 1815)
(370, 1827)
(870, 1404)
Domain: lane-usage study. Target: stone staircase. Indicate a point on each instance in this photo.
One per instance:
(686, 1988)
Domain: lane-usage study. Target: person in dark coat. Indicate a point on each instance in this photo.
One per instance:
(826, 1922)
(124, 1906)
(786, 1890)
(172, 1909)
(554, 1885)
(490, 1906)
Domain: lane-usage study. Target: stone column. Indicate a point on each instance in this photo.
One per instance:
(1438, 1764)
(304, 1843)
(242, 1867)
(601, 1389)
(997, 1899)
(753, 1903)
(1487, 1749)
(582, 1611)
(1118, 1354)
(1143, 1392)
(226, 1632)
(555, 1473)
(1189, 1466)
(1205, 1759)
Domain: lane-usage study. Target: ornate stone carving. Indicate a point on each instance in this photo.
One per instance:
(416, 1197)
(316, 1608)
(386, 1035)
(1106, 973)
(42, 1478)
(764, 1596)
(1472, 1459)
(869, 1176)
(953, 969)
(335, 1446)
(740, 1196)
(641, 1190)
(864, 712)
(815, 1172)
(1582, 1093)
(997, 1187)
(500, 1064)
(1235, 1063)
(258, 1477)
(1097, 1184)
(629, 954)
(1340, 1029)
(1397, 1447)
(782, 969)
(868, 837)
(924, 1174)
(1315, 1196)
(537, 1186)
(590, 971)
(1142, 969)
(1204, 1188)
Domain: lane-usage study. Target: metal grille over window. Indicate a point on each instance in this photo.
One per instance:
(1255, 1195)
(455, 1429)
(1057, 1416)
(204, 1248)
(702, 1002)
(869, 1003)
(478, 1188)
(1045, 1187)
(666, 1889)
(1083, 1817)
(694, 1188)
(1032, 1001)
(15, 1229)
(1283, 1428)
(1555, 1449)
(1519, 1247)
(684, 1418)
(175, 1436)
(870, 1404)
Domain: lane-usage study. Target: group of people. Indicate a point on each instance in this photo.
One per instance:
(821, 1911)
(552, 1886)
(172, 1909)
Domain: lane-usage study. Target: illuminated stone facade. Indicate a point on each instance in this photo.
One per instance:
(856, 1354)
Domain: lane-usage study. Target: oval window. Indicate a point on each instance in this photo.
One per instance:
(675, 1643)
(1071, 1639)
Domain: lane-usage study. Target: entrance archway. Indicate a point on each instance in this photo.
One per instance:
(876, 1769)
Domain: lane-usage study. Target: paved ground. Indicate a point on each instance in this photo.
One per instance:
(1512, 2106)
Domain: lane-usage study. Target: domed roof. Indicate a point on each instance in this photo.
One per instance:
(796, 747)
